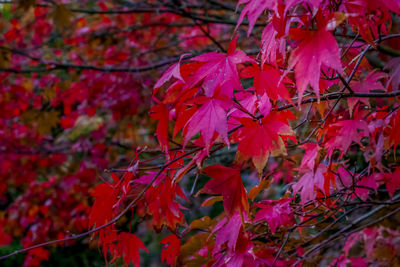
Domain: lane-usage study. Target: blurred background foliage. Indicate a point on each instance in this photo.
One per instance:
(76, 80)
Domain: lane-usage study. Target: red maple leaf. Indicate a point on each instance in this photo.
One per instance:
(36, 256)
(208, 119)
(128, 248)
(184, 113)
(392, 181)
(102, 209)
(266, 80)
(160, 113)
(228, 183)
(171, 249)
(267, 132)
(161, 201)
(394, 135)
(219, 69)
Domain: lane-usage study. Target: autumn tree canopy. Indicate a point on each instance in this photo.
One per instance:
(200, 133)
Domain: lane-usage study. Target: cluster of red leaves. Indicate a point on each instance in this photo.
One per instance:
(311, 70)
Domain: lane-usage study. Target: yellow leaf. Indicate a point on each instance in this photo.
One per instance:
(61, 17)
(254, 191)
(28, 85)
(337, 19)
(193, 245)
(201, 223)
(48, 94)
(42, 121)
(84, 125)
(321, 107)
(26, 4)
(28, 16)
(211, 200)
(197, 260)
(5, 57)
(47, 121)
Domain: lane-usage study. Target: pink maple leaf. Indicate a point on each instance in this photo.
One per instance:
(307, 183)
(393, 5)
(292, 3)
(218, 69)
(271, 44)
(316, 49)
(227, 232)
(211, 117)
(173, 71)
(394, 66)
(243, 255)
(310, 155)
(369, 83)
(350, 131)
(275, 212)
(365, 183)
(253, 9)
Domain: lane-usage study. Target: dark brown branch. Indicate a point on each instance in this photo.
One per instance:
(338, 95)
(281, 248)
(57, 66)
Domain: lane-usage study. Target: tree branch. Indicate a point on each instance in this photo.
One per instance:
(337, 95)
(57, 66)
